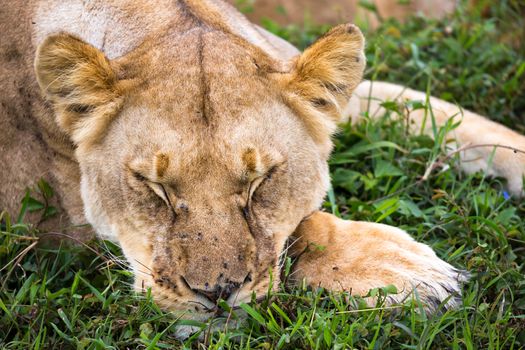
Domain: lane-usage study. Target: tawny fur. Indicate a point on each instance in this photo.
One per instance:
(323, 78)
(199, 142)
(357, 256)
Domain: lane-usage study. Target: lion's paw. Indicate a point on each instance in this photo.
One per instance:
(359, 256)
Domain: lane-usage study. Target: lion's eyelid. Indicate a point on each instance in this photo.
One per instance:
(158, 188)
(137, 175)
(169, 202)
(255, 184)
(161, 191)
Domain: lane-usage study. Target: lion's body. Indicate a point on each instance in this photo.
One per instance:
(197, 142)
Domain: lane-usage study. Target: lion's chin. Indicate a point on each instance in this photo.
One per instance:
(207, 319)
(183, 332)
(211, 322)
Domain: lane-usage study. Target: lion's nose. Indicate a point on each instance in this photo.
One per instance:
(223, 289)
(218, 292)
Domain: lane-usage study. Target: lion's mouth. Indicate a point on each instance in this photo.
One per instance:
(222, 309)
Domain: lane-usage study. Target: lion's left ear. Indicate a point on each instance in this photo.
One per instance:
(323, 78)
(81, 84)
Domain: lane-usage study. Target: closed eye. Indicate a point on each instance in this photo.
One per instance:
(254, 186)
(258, 182)
(160, 191)
(156, 187)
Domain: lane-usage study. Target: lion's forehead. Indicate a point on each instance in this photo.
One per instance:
(201, 76)
(269, 129)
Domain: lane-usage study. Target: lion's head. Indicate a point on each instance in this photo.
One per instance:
(200, 154)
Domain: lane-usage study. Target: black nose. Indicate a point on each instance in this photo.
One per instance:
(218, 292)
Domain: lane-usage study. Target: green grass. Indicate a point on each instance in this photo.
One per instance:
(80, 298)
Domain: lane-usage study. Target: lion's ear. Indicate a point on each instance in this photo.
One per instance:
(80, 83)
(323, 78)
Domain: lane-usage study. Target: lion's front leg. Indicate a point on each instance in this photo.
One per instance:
(357, 256)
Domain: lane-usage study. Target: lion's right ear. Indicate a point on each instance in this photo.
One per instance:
(322, 79)
(81, 84)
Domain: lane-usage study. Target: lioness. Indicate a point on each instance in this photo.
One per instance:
(199, 142)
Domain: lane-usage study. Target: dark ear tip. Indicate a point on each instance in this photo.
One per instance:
(350, 28)
(345, 32)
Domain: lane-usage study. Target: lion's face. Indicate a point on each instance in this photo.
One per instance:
(203, 212)
(199, 155)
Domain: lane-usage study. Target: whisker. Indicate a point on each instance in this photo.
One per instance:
(146, 274)
(206, 308)
(257, 300)
(294, 272)
(283, 254)
(289, 245)
(121, 262)
(143, 265)
(111, 263)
